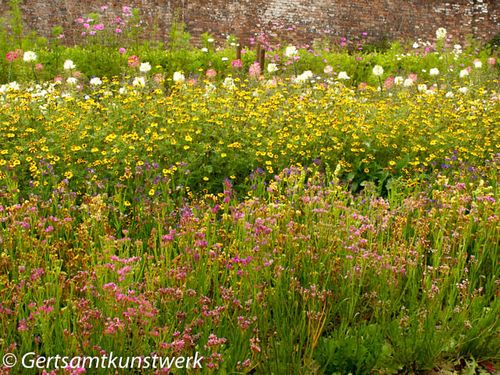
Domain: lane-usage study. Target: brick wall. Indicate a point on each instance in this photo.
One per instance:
(392, 19)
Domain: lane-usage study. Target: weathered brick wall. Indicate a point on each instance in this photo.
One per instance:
(392, 19)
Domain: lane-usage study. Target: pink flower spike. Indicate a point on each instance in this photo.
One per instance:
(237, 64)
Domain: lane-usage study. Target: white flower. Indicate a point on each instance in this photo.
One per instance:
(408, 82)
(14, 86)
(139, 81)
(271, 68)
(415, 45)
(204, 49)
(378, 70)
(228, 83)
(422, 87)
(96, 81)
(449, 95)
(343, 75)
(463, 90)
(464, 73)
(210, 40)
(434, 72)
(441, 33)
(225, 58)
(179, 77)
(398, 80)
(328, 69)
(29, 56)
(122, 90)
(72, 81)
(69, 65)
(305, 76)
(270, 83)
(145, 67)
(478, 64)
(210, 88)
(290, 51)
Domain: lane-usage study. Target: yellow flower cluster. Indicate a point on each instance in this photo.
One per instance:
(230, 132)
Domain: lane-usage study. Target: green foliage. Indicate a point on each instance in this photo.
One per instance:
(358, 350)
(16, 21)
(178, 37)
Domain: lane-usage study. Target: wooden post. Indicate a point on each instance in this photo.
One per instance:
(238, 51)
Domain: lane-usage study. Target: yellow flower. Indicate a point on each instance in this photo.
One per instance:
(151, 192)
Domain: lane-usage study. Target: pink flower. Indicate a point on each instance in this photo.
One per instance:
(413, 77)
(388, 83)
(491, 61)
(22, 326)
(254, 70)
(58, 79)
(118, 30)
(211, 73)
(86, 26)
(79, 20)
(133, 61)
(122, 50)
(99, 27)
(74, 371)
(38, 67)
(11, 56)
(237, 64)
(362, 86)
